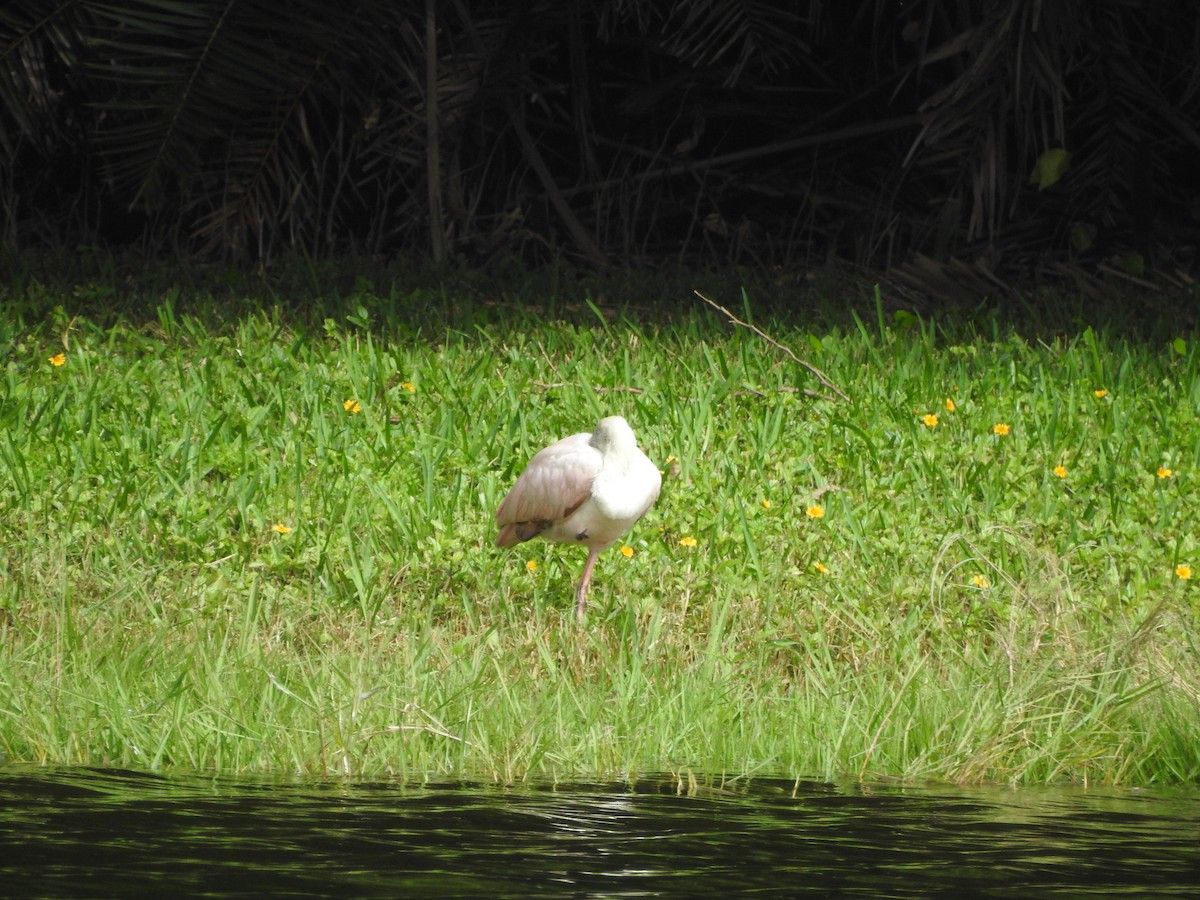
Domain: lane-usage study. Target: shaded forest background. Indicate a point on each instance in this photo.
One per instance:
(986, 140)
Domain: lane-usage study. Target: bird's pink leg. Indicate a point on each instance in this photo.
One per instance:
(581, 594)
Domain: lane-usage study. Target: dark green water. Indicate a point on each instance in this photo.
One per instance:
(103, 833)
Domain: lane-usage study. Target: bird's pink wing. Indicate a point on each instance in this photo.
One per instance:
(556, 481)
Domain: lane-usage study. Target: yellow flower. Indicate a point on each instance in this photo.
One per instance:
(408, 386)
(531, 565)
(950, 405)
(626, 551)
(1184, 571)
(671, 463)
(1099, 392)
(1001, 429)
(59, 359)
(930, 420)
(280, 528)
(352, 406)
(821, 567)
(815, 512)
(1060, 471)
(687, 541)
(766, 504)
(980, 581)
(1164, 472)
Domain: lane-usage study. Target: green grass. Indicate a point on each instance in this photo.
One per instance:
(958, 612)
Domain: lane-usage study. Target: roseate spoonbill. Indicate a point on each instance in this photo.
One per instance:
(585, 489)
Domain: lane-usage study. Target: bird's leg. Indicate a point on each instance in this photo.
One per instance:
(581, 594)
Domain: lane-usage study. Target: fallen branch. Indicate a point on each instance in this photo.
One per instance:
(821, 376)
(598, 388)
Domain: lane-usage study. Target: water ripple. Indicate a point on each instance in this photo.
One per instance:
(86, 832)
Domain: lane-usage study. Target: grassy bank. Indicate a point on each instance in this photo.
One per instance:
(261, 545)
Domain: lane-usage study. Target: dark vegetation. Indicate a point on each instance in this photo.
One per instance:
(964, 147)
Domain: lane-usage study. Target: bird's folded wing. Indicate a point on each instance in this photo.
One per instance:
(554, 484)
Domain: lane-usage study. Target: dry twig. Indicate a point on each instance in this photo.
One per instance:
(821, 376)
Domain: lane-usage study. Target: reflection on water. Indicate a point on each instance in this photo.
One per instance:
(82, 832)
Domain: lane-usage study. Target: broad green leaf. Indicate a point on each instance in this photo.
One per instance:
(1050, 168)
(1133, 263)
(1082, 237)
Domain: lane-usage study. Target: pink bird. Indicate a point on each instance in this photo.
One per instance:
(585, 489)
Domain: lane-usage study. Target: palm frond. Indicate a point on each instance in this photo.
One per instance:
(734, 34)
(189, 77)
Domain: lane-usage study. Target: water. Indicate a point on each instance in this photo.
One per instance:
(85, 832)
